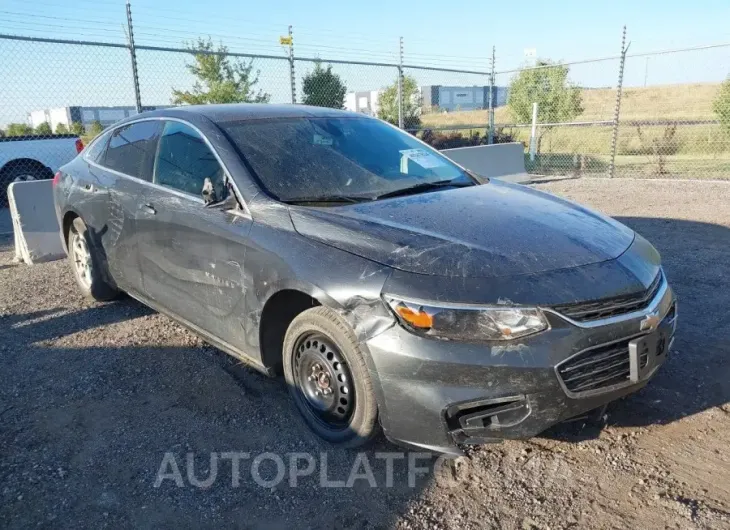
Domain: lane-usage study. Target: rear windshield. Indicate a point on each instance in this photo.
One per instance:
(296, 158)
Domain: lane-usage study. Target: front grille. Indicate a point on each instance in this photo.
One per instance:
(599, 368)
(609, 307)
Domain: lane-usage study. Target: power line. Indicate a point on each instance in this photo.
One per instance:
(34, 16)
(66, 28)
(164, 16)
(73, 6)
(229, 37)
(272, 37)
(265, 42)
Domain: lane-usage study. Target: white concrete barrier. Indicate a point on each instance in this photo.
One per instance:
(37, 236)
(502, 161)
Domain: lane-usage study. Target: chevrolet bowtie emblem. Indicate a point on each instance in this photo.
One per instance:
(650, 322)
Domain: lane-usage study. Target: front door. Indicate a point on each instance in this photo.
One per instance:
(192, 257)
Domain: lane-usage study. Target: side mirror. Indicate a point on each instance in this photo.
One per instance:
(229, 203)
(208, 192)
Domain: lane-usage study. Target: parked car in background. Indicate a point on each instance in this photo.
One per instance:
(390, 286)
(34, 157)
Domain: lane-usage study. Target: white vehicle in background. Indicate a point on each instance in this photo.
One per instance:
(34, 157)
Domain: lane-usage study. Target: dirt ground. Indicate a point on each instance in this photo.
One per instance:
(93, 397)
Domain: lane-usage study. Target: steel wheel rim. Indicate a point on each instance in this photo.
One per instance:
(82, 260)
(324, 381)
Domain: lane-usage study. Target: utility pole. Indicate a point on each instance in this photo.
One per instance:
(646, 71)
(490, 132)
(292, 74)
(400, 85)
(617, 110)
(133, 55)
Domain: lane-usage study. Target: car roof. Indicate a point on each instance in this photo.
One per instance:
(220, 113)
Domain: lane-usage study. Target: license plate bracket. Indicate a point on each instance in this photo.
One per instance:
(646, 353)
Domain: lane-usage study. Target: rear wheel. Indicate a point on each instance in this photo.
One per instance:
(86, 265)
(328, 378)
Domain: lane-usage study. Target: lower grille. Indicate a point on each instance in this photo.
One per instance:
(598, 368)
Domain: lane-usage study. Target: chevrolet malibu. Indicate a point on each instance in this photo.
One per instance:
(392, 288)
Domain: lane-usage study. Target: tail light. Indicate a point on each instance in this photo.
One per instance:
(79, 145)
(56, 177)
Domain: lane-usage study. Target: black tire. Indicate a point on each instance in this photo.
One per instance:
(24, 172)
(21, 173)
(92, 283)
(324, 328)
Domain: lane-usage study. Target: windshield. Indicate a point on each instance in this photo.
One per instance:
(345, 158)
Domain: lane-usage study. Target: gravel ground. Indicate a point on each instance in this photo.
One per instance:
(93, 396)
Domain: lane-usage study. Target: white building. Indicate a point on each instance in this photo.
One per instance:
(84, 115)
(365, 101)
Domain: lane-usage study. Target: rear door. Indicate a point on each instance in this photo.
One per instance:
(125, 167)
(192, 257)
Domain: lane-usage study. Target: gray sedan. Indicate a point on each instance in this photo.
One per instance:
(392, 288)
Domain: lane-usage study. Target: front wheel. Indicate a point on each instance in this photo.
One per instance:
(328, 379)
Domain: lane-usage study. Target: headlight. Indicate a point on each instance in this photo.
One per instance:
(466, 323)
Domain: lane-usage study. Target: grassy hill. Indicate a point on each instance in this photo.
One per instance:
(672, 102)
(682, 149)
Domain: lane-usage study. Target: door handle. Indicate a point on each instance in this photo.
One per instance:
(148, 208)
(89, 187)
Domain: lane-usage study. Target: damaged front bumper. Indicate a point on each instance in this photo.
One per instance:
(437, 394)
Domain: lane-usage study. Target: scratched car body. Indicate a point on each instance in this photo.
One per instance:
(392, 288)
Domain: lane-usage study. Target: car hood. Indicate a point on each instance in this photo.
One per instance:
(496, 229)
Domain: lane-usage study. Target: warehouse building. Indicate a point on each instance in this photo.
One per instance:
(84, 115)
(434, 98)
(451, 98)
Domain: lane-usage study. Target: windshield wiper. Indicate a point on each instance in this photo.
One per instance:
(328, 199)
(426, 186)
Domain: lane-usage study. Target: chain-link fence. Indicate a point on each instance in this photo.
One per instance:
(675, 122)
(661, 114)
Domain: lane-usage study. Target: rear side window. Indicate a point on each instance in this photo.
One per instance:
(184, 161)
(131, 149)
(95, 151)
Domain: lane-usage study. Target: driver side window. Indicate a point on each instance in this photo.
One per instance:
(184, 161)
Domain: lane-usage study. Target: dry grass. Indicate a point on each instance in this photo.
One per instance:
(671, 102)
(699, 151)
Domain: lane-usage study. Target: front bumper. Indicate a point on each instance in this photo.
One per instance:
(436, 394)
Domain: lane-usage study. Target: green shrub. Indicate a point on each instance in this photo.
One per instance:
(450, 140)
(44, 129)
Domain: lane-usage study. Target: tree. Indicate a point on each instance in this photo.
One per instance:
(19, 129)
(558, 100)
(77, 128)
(220, 80)
(388, 104)
(44, 129)
(95, 129)
(322, 88)
(721, 105)
(61, 128)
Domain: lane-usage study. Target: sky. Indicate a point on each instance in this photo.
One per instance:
(435, 33)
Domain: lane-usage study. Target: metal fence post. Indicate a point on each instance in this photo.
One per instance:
(533, 133)
(614, 135)
(292, 74)
(133, 55)
(490, 133)
(400, 85)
